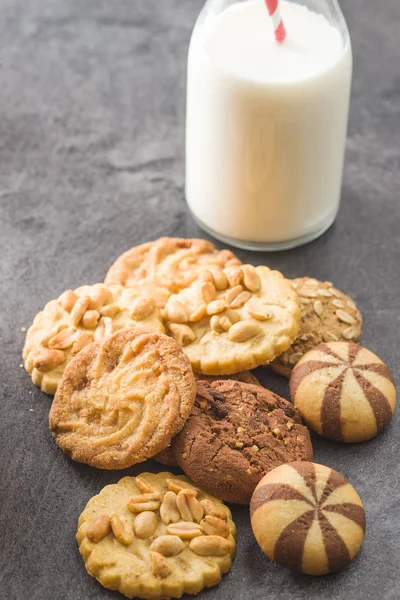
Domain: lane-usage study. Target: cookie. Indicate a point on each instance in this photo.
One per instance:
(77, 318)
(167, 456)
(307, 517)
(168, 265)
(235, 434)
(120, 401)
(343, 391)
(156, 537)
(327, 315)
(249, 319)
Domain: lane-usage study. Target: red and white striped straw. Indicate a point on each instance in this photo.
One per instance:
(275, 14)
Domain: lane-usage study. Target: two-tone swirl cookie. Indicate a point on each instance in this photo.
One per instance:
(307, 517)
(343, 391)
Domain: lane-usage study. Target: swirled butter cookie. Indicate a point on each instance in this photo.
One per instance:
(156, 536)
(327, 315)
(246, 320)
(78, 318)
(168, 265)
(120, 401)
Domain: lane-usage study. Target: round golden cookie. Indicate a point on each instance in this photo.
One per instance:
(327, 315)
(120, 401)
(167, 457)
(168, 265)
(251, 317)
(155, 537)
(343, 391)
(307, 517)
(76, 319)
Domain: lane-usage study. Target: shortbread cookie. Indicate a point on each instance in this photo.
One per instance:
(168, 265)
(120, 401)
(167, 456)
(156, 537)
(327, 315)
(235, 434)
(307, 517)
(77, 318)
(247, 320)
(343, 391)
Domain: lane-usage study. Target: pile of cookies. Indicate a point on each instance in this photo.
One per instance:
(154, 363)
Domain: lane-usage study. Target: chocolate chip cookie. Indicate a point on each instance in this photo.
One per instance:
(327, 315)
(167, 456)
(235, 434)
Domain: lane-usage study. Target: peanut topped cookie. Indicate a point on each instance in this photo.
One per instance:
(235, 434)
(168, 265)
(327, 315)
(120, 401)
(246, 319)
(77, 318)
(156, 537)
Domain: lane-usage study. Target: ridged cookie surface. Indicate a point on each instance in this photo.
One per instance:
(122, 400)
(168, 265)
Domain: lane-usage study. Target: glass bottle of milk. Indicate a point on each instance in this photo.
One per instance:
(267, 121)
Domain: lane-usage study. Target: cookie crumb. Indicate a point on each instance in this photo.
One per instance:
(31, 410)
(23, 329)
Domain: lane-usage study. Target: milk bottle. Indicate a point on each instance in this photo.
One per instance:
(266, 121)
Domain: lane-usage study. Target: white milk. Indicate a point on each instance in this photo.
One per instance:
(266, 124)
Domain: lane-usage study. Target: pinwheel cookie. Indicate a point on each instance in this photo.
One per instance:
(343, 391)
(246, 320)
(156, 536)
(307, 517)
(77, 318)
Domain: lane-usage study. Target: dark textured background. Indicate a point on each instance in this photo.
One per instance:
(91, 163)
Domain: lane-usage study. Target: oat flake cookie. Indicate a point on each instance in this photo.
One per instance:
(307, 517)
(245, 320)
(120, 401)
(156, 537)
(343, 391)
(76, 319)
(168, 265)
(235, 434)
(327, 315)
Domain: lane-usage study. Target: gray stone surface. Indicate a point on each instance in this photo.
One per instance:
(91, 163)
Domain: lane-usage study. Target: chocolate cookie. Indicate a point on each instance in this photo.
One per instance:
(307, 517)
(167, 456)
(235, 434)
(343, 391)
(327, 315)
